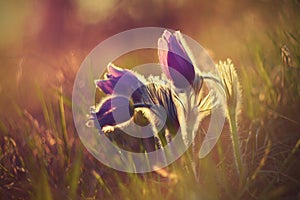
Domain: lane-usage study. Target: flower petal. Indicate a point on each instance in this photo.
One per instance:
(176, 46)
(163, 55)
(176, 63)
(184, 73)
(114, 70)
(119, 81)
(113, 111)
(106, 86)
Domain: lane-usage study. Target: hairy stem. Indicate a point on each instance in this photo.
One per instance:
(236, 148)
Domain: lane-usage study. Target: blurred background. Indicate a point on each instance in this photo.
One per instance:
(43, 42)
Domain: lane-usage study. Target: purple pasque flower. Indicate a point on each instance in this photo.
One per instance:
(123, 87)
(113, 110)
(175, 61)
(119, 81)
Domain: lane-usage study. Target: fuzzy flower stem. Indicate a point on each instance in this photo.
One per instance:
(236, 148)
(234, 133)
(231, 86)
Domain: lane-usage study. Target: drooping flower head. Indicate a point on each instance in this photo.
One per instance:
(175, 61)
(123, 88)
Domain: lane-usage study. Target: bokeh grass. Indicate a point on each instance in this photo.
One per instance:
(43, 158)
